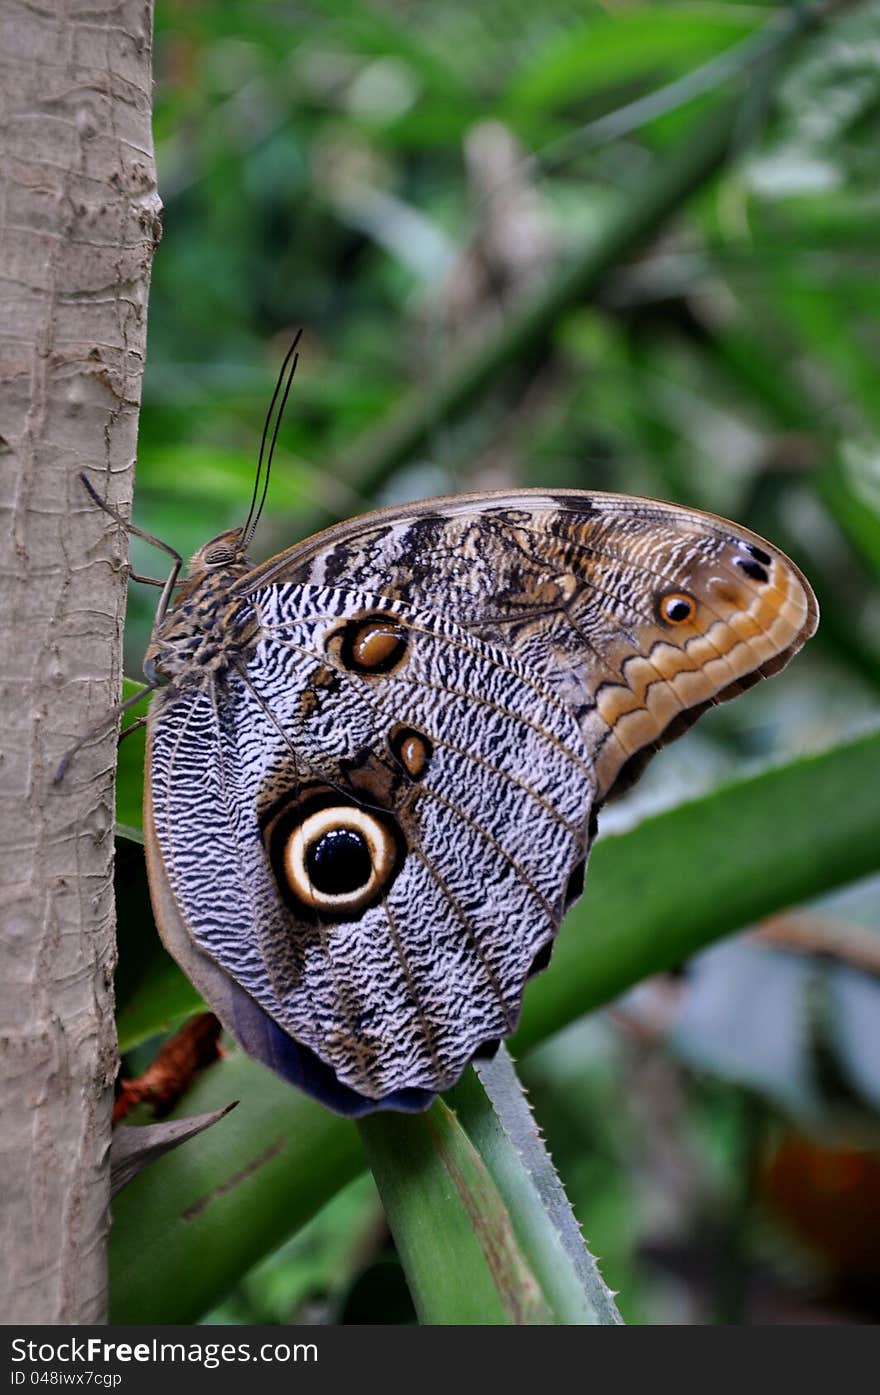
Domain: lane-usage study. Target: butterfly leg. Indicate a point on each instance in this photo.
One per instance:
(145, 580)
(171, 580)
(134, 726)
(130, 527)
(101, 726)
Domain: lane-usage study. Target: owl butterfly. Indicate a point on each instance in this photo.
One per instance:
(375, 764)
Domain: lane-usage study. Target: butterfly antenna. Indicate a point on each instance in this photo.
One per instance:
(284, 381)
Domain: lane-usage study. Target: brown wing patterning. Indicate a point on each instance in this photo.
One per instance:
(640, 614)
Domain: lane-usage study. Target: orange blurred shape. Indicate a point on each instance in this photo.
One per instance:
(829, 1199)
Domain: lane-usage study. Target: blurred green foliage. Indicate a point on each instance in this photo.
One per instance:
(398, 177)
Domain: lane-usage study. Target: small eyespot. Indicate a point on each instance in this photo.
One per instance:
(677, 608)
(370, 644)
(758, 553)
(411, 749)
(753, 569)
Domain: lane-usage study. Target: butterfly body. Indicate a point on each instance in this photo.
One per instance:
(374, 770)
(207, 627)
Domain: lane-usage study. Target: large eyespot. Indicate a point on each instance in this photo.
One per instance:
(333, 857)
(337, 859)
(677, 608)
(370, 644)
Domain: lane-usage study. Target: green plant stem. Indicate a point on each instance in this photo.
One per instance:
(183, 1234)
(493, 1107)
(453, 1232)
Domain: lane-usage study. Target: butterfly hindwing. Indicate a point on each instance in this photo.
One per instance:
(357, 722)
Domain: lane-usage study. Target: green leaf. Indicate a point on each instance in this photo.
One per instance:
(653, 896)
(453, 1232)
(850, 489)
(680, 880)
(491, 1104)
(646, 42)
(206, 477)
(189, 1225)
(162, 1000)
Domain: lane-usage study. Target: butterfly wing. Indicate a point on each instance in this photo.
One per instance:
(582, 588)
(363, 833)
(364, 837)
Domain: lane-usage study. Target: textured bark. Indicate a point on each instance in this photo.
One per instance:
(79, 218)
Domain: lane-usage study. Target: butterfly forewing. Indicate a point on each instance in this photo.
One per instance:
(576, 585)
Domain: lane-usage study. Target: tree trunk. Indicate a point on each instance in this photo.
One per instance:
(79, 218)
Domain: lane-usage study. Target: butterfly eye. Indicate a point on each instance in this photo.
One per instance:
(677, 608)
(221, 551)
(217, 556)
(338, 859)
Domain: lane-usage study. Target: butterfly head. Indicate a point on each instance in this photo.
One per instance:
(225, 553)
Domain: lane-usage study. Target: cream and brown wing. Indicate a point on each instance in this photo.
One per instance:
(362, 836)
(640, 614)
(373, 769)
